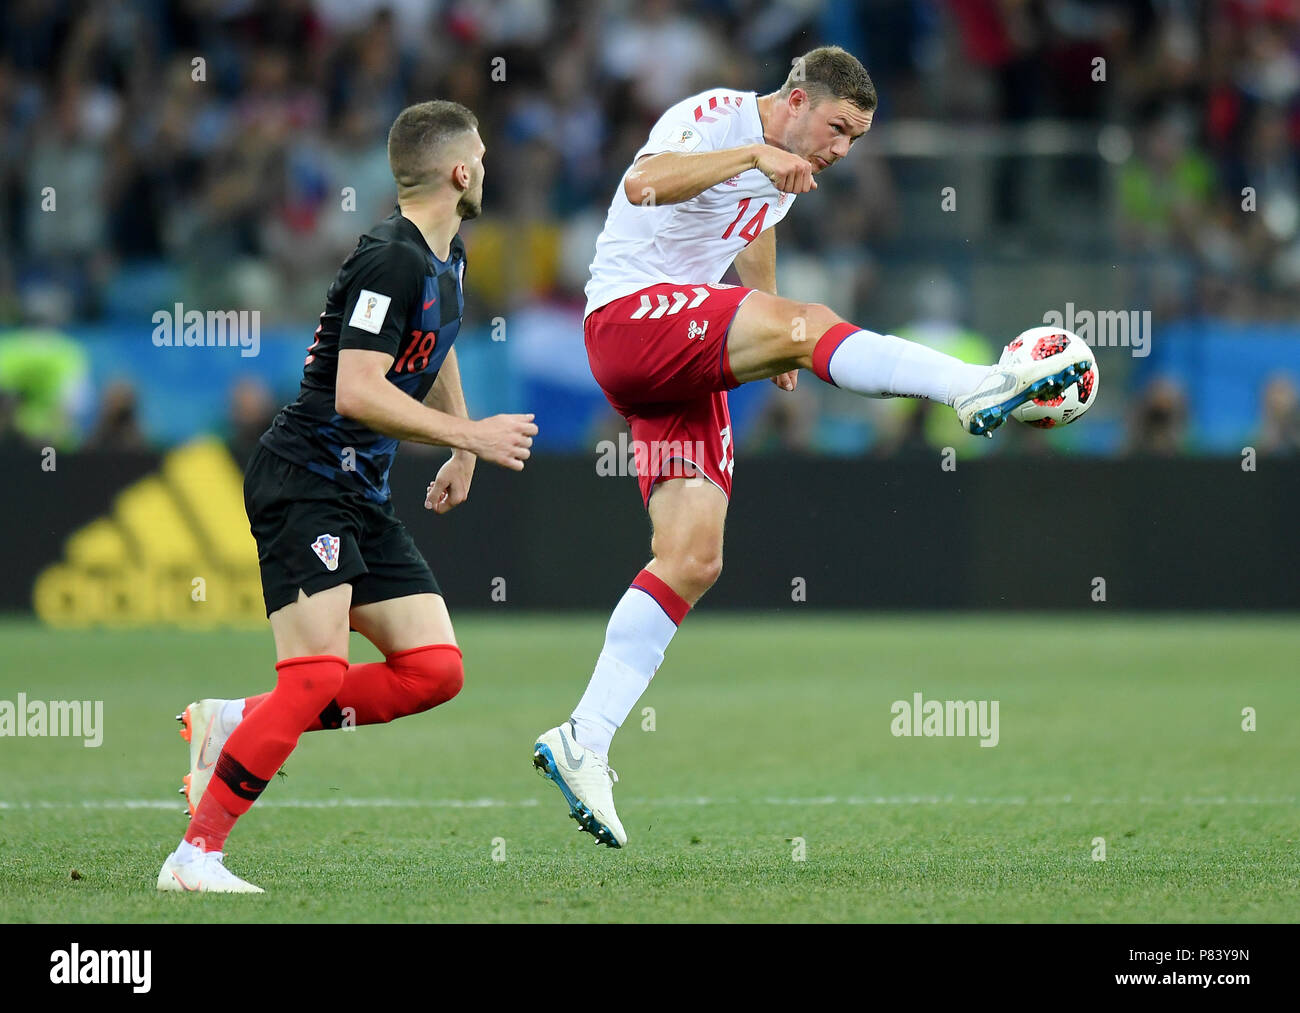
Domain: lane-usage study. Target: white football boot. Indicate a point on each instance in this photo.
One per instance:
(1008, 385)
(203, 873)
(585, 780)
(201, 728)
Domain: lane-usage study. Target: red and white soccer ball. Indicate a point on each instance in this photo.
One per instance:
(1037, 343)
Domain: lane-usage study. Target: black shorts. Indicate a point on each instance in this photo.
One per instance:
(315, 534)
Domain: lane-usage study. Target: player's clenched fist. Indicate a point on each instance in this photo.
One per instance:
(503, 440)
(789, 173)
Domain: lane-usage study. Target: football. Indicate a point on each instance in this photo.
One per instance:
(1071, 403)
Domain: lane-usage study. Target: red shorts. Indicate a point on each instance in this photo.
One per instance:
(660, 356)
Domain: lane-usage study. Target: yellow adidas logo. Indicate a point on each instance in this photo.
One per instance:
(175, 551)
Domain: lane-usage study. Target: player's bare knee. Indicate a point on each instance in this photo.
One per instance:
(793, 329)
(698, 571)
(315, 644)
(704, 571)
(687, 571)
(311, 644)
(811, 323)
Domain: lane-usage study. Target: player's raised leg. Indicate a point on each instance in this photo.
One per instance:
(687, 517)
(771, 335)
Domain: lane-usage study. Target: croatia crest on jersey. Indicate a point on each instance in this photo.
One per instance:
(327, 548)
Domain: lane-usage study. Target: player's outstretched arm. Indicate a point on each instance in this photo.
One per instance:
(671, 177)
(362, 392)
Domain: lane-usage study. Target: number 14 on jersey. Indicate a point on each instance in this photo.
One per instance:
(752, 227)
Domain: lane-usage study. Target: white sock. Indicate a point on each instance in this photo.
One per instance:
(232, 712)
(883, 365)
(187, 852)
(639, 632)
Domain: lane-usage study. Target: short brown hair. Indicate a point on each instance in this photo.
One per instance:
(832, 72)
(417, 135)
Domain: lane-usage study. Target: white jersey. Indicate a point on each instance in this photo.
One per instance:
(693, 242)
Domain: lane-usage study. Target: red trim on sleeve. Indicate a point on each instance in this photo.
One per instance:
(673, 604)
(826, 347)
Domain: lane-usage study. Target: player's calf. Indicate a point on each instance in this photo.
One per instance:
(687, 517)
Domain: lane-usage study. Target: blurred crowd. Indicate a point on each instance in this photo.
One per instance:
(229, 152)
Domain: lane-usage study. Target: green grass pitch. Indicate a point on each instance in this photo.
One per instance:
(771, 741)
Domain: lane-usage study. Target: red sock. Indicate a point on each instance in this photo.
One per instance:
(263, 741)
(826, 346)
(673, 604)
(406, 682)
(210, 825)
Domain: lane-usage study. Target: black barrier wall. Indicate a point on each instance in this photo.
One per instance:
(839, 534)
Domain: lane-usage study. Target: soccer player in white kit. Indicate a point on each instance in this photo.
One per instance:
(666, 342)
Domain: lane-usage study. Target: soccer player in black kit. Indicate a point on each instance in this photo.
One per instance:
(333, 554)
